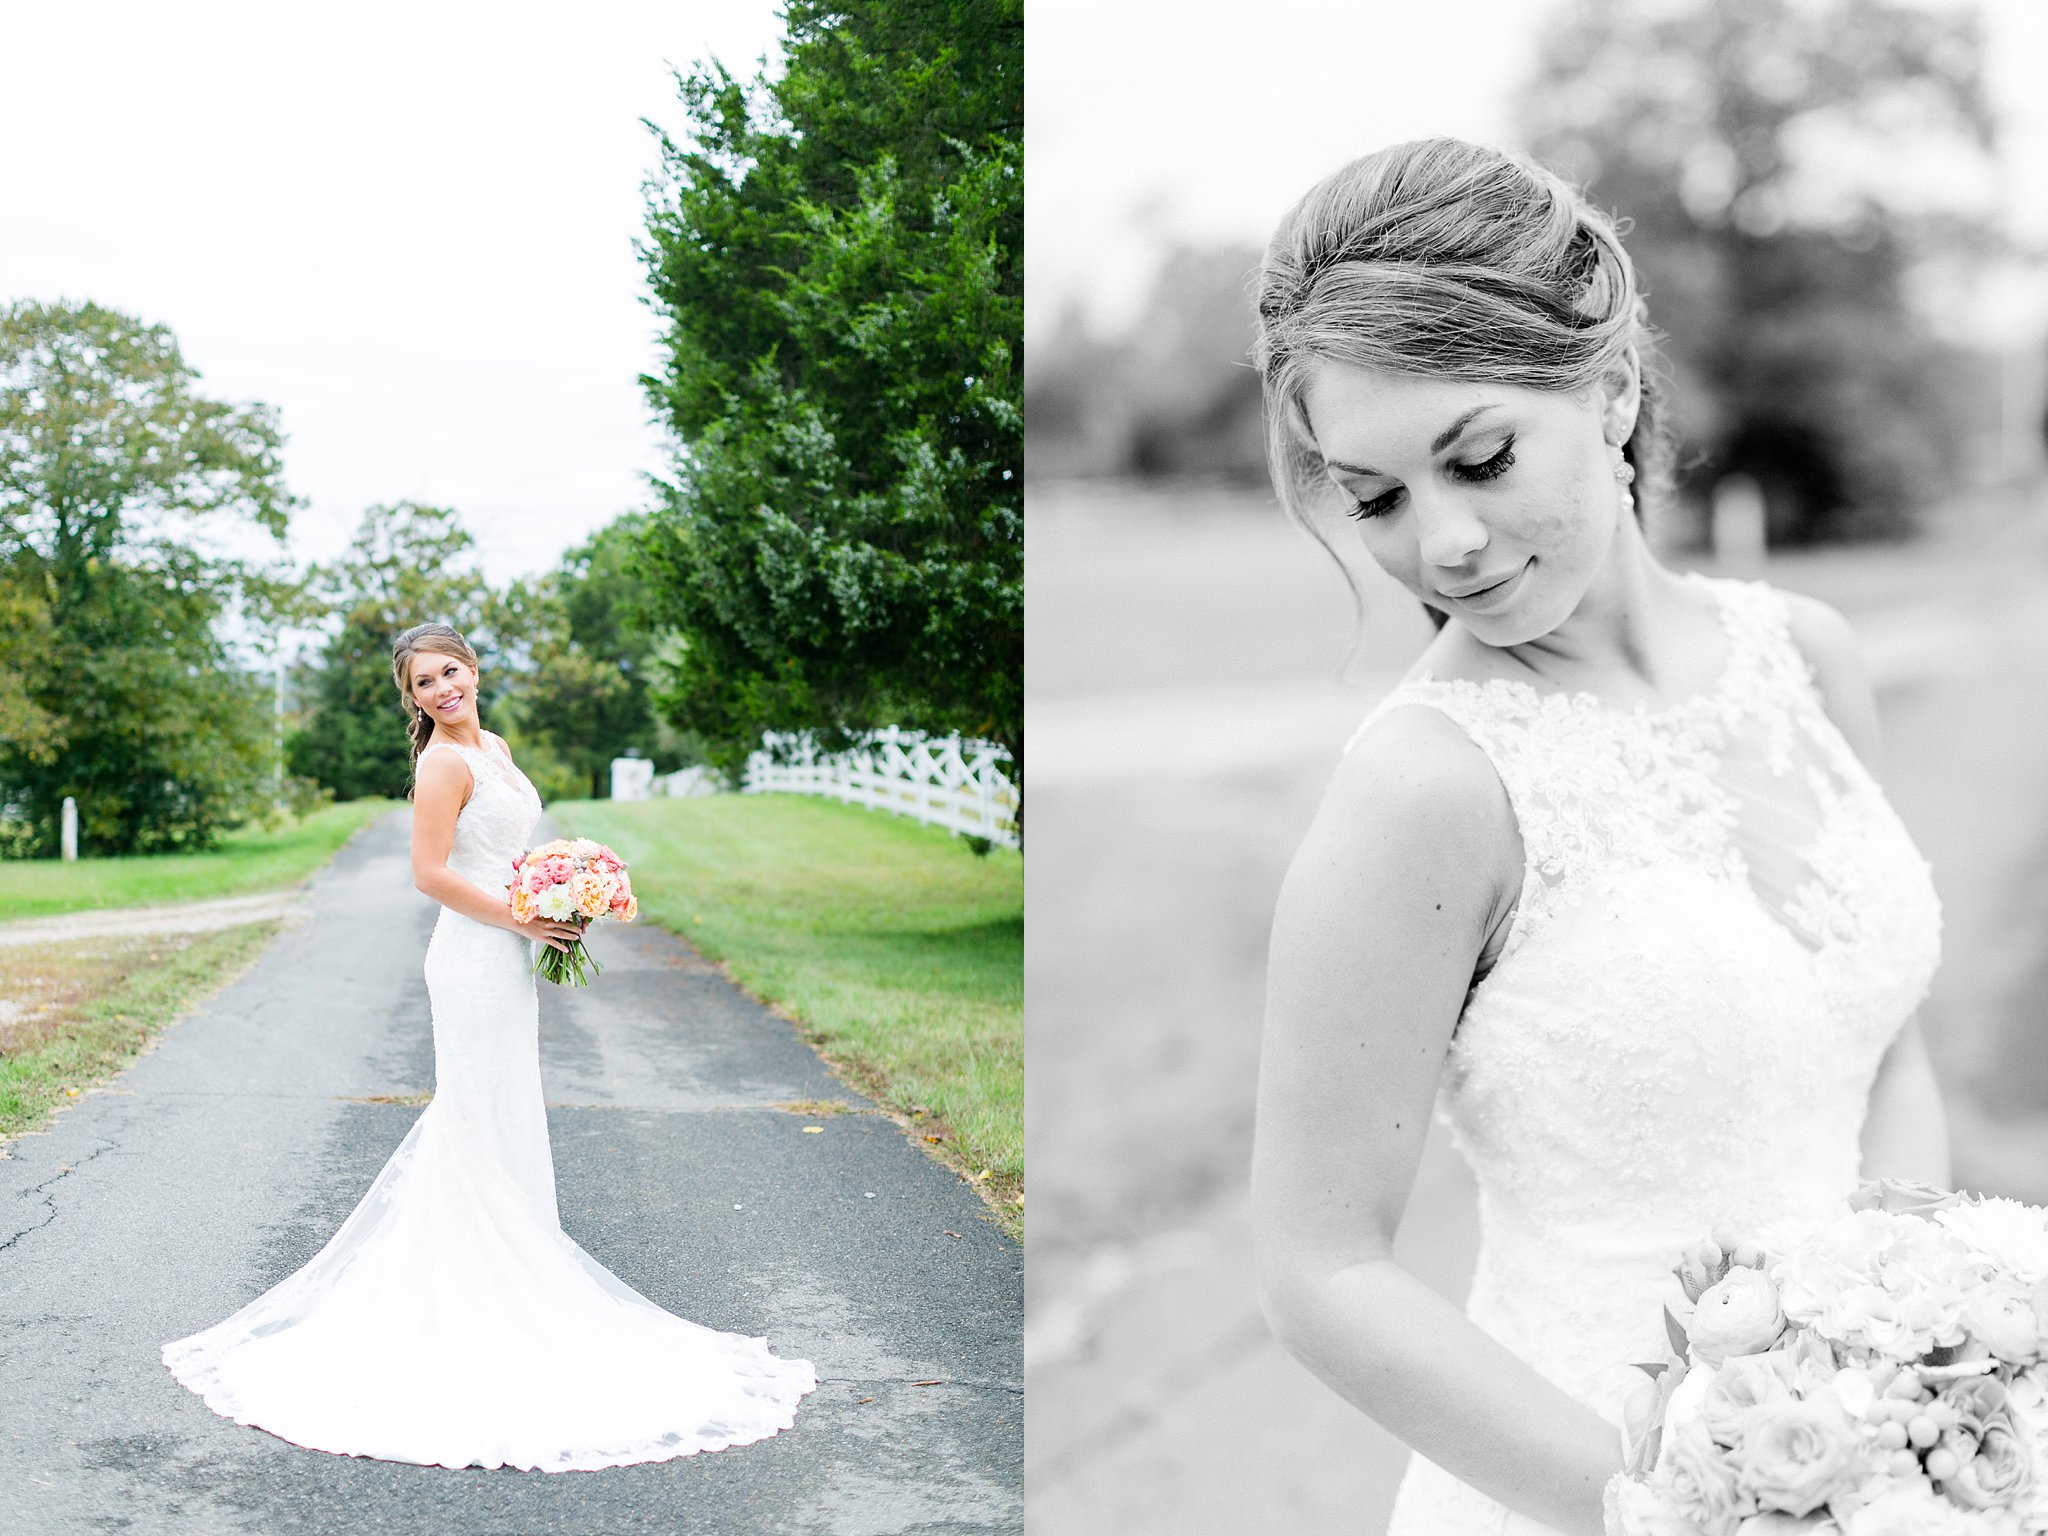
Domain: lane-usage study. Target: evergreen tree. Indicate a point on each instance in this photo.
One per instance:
(838, 255)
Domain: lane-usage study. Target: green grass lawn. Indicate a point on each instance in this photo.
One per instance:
(891, 943)
(246, 861)
(72, 1015)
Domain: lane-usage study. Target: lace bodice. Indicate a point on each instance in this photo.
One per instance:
(1721, 927)
(495, 825)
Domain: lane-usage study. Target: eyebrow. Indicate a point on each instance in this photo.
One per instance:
(1443, 440)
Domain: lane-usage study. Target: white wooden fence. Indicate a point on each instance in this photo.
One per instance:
(946, 781)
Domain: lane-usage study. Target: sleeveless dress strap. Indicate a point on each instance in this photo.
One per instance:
(465, 753)
(1774, 686)
(467, 756)
(1769, 613)
(1574, 767)
(1501, 725)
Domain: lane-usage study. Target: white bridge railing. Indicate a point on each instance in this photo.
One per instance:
(945, 781)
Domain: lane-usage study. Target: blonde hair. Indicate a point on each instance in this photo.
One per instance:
(440, 640)
(1444, 259)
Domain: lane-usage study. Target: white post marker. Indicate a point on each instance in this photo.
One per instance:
(632, 778)
(1736, 525)
(69, 833)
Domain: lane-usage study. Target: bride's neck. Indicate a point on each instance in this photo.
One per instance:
(470, 733)
(1628, 626)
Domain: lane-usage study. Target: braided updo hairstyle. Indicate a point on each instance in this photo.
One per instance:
(441, 640)
(1447, 260)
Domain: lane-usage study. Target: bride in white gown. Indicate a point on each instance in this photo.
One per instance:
(450, 1321)
(1605, 881)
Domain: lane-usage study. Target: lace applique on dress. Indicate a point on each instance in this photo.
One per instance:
(1721, 927)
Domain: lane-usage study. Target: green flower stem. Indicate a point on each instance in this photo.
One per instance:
(573, 967)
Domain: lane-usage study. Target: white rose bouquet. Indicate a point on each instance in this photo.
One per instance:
(1886, 1376)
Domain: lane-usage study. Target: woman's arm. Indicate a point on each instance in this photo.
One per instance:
(1905, 1134)
(1413, 861)
(440, 791)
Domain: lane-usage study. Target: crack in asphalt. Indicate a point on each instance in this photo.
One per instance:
(390, 1100)
(50, 1204)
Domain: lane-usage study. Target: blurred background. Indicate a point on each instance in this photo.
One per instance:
(1840, 210)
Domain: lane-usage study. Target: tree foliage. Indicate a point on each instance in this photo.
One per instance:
(838, 256)
(579, 693)
(1788, 165)
(1173, 394)
(409, 564)
(119, 691)
(29, 730)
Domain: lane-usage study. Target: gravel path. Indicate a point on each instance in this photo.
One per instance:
(189, 917)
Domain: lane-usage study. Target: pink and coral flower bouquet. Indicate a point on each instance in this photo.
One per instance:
(571, 880)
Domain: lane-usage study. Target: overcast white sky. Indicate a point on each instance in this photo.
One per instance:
(1149, 122)
(408, 227)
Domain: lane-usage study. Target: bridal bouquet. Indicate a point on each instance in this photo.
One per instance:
(571, 880)
(1885, 1376)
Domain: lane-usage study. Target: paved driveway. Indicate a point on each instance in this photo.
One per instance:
(224, 1159)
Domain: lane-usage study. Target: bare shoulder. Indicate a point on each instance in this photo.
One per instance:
(1382, 923)
(1820, 632)
(1415, 804)
(1829, 645)
(1414, 762)
(440, 776)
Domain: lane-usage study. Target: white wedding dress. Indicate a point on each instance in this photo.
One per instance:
(1721, 928)
(450, 1321)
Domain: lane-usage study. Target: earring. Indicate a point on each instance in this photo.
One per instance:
(1624, 472)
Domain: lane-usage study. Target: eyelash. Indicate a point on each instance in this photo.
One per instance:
(1471, 474)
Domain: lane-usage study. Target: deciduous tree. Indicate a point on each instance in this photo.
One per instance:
(112, 461)
(409, 564)
(1788, 165)
(579, 691)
